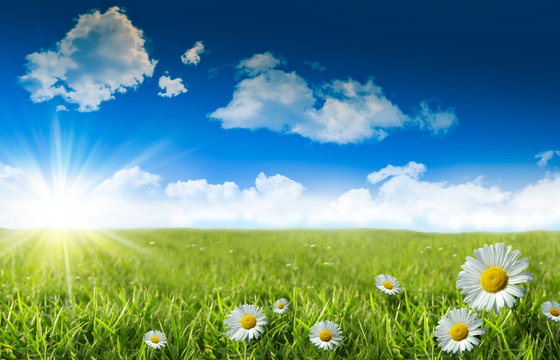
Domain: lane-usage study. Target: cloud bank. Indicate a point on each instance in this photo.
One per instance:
(341, 111)
(397, 197)
(102, 55)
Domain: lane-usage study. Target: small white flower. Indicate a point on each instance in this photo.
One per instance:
(551, 310)
(456, 331)
(281, 306)
(325, 335)
(155, 339)
(387, 284)
(489, 281)
(245, 323)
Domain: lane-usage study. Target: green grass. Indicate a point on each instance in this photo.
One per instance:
(92, 295)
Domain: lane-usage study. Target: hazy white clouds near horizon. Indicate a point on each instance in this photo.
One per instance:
(545, 156)
(397, 198)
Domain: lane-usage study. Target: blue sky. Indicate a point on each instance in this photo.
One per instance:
(327, 93)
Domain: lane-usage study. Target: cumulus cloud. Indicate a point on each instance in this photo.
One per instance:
(127, 181)
(192, 55)
(259, 63)
(315, 66)
(437, 121)
(200, 190)
(341, 111)
(103, 54)
(277, 187)
(61, 108)
(172, 87)
(404, 201)
(545, 156)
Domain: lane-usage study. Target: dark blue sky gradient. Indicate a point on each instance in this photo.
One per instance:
(495, 63)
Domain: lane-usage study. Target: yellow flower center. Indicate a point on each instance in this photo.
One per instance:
(554, 312)
(154, 339)
(459, 332)
(493, 279)
(325, 335)
(387, 285)
(281, 306)
(248, 322)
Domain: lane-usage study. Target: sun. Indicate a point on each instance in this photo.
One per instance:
(61, 211)
(56, 202)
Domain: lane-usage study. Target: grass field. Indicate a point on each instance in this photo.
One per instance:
(92, 295)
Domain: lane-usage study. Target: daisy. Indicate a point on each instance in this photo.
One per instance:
(281, 305)
(551, 310)
(325, 335)
(489, 281)
(155, 339)
(387, 284)
(245, 323)
(456, 331)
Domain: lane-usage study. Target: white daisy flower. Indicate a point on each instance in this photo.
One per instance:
(387, 284)
(281, 305)
(155, 339)
(456, 331)
(325, 335)
(245, 323)
(551, 310)
(489, 281)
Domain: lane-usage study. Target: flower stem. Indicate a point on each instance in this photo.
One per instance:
(518, 321)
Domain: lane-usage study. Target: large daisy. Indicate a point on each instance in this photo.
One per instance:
(489, 280)
(155, 339)
(456, 331)
(551, 310)
(281, 306)
(387, 284)
(245, 323)
(325, 335)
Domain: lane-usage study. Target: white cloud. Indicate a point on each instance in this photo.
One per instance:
(438, 121)
(103, 54)
(61, 108)
(404, 201)
(259, 63)
(412, 170)
(277, 187)
(342, 111)
(172, 87)
(270, 203)
(545, 156)
(315, 66)
(200, 190)
(7, 171)
(128, 180)
(192, 55)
